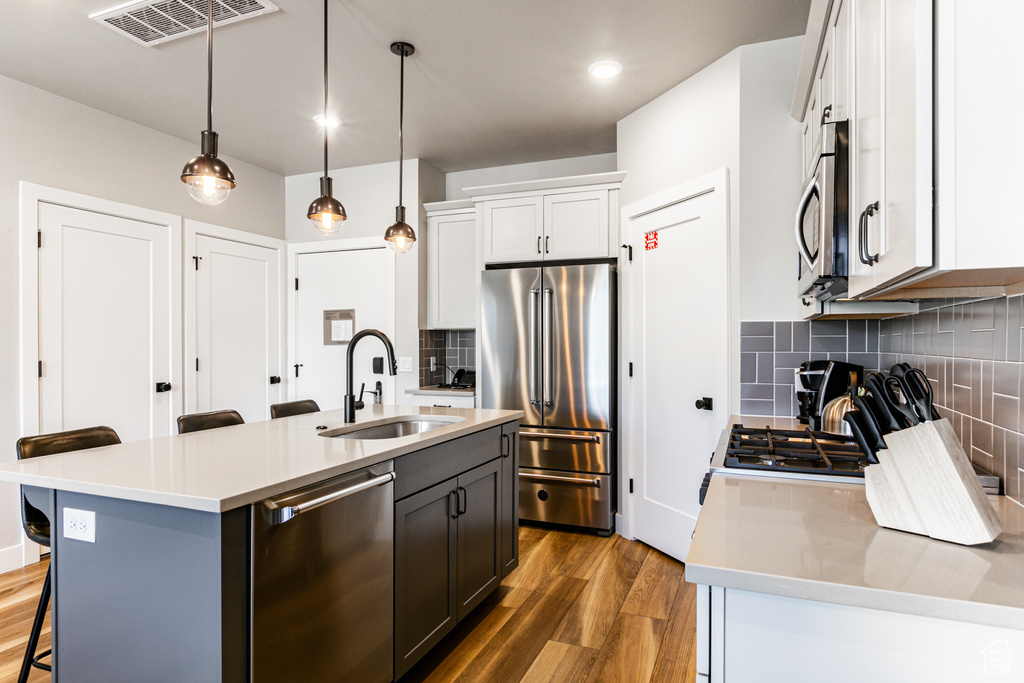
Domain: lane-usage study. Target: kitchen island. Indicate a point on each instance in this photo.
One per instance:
(187, 529)
(798, 582)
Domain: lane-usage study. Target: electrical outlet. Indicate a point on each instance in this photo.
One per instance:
(433, 364)
(80, 525)
(404, 364)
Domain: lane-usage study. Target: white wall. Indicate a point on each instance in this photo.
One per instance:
(733, 114)
(515, 173)
(369, 195)
(770, 165)
(52, 141)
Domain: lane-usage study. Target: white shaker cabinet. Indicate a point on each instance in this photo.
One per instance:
(513, 229)
(451, 265)
(891, 198)
(448, 401)
(932, 180)
(560, 218)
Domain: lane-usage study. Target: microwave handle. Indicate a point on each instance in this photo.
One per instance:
(801, 209)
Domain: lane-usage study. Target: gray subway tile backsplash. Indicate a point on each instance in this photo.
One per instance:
(971, 353)
(454, 348)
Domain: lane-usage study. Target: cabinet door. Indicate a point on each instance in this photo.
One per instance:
(479, 522)
(451, 277)
(426, 606)
(512, 229)
(866, 142)
(576, 225)
(842, 59)
(826, 82)
(906, 231)
(509, 498)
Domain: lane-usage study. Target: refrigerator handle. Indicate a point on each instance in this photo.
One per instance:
(533, 346)
(548, 348)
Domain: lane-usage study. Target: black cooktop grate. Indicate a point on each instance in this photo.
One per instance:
(804, 451)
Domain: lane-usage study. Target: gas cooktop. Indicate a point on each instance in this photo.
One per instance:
(803, 452)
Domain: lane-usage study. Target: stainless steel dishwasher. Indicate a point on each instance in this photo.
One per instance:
(322, 581)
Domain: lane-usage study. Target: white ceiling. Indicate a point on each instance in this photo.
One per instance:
(491, 83)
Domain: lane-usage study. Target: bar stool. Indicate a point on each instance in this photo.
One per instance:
(37, 524)
(293, 408)
(197, 422)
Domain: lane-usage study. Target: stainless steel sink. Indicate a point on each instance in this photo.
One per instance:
(403, 426)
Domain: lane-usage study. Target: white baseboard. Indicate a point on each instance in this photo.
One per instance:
(13, 557)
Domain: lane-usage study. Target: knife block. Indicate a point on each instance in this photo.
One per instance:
(925, 484)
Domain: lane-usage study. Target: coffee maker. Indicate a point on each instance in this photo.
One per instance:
(820, 381)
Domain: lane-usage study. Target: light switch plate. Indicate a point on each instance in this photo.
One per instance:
(80, 525)
(404, 364)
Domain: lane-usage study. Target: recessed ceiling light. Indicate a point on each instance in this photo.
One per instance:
(605, 69)
(332, 121)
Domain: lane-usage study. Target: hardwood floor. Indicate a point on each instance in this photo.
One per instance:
(19, 595)
(579, 608)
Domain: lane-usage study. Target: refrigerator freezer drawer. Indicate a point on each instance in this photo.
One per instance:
(571, 450)
(570, 498)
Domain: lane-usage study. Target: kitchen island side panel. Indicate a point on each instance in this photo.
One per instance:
(187, 566)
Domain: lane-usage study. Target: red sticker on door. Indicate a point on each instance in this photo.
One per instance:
(651, 241)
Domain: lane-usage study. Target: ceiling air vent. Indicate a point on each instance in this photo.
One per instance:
(152, 23)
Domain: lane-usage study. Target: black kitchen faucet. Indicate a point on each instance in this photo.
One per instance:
(351, 404)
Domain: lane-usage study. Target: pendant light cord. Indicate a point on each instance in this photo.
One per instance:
(401, 116)
(325, 88)
(209, 67)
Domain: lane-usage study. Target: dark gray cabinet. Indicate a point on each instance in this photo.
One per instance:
(451, 538)
(509, 498)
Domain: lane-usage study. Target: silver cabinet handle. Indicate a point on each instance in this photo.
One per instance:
(280, 515)
(572, 437)
(533, 346)
(549, 350)
(801, 209)
(862, 235)
(596, 483)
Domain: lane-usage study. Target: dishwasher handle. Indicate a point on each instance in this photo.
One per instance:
(282, 514)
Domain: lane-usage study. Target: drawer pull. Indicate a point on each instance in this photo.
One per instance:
(596, 483)
(571, 437)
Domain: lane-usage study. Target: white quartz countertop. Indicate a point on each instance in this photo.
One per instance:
(434, 390)
(221, 469)
(819, 541)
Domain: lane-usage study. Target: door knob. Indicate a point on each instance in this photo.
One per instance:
(162, 387)
(704, 403)
(275, 380)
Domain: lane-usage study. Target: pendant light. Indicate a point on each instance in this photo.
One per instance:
(208, 179)
(326, 213)
(400, 235)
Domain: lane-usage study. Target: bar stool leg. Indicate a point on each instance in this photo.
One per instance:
(37, 627)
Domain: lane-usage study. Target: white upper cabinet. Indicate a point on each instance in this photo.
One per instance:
(451, 266)
(561, 218)
(576, 225)
(513, 229)
(932, 180)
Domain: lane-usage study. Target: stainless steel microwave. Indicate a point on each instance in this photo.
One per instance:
(822, 218)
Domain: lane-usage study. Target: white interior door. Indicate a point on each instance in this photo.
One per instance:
(237, 327)
(357, 280)
(106, 333)
(680, 349)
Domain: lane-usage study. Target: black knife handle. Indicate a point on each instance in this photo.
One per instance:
(853, 419)
(869, 423)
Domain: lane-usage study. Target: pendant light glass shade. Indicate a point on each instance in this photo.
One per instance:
(326, 213)
(208, 178)
(400, 236)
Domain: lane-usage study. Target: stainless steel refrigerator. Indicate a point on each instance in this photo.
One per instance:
(548, 346)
